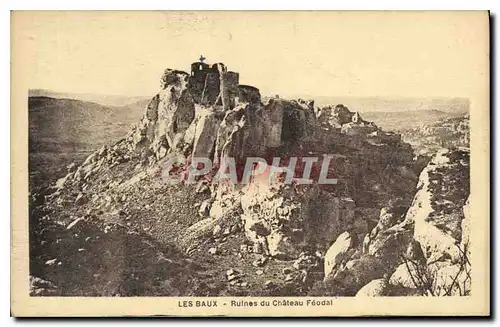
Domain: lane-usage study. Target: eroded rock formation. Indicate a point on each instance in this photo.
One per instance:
(424, 249)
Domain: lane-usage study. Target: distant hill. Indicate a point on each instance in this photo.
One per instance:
(102, 99)
(65, 130)
(394, 104)
(405, 120)
(447, 133)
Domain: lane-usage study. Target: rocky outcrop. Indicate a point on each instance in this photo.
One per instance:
(422, 249)
(282, 220)
(437, 209)
(437, 213)
(371, 230)
(167, 116)
(233, 120)
(356, 273)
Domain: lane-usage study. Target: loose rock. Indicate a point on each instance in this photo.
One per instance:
(213, 251)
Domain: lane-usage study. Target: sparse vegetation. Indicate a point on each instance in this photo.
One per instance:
(426, 279)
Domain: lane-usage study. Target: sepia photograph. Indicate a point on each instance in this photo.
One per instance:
(250, 163)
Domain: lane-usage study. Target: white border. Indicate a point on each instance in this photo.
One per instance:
(182, 5)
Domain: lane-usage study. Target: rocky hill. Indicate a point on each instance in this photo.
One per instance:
(112, 226)
(102, 99)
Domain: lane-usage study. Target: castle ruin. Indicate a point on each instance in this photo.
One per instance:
(216, 86)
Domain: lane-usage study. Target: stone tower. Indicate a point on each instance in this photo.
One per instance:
(213, 85)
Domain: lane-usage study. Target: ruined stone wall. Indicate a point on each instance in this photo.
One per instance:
(211, 88)
(247, 93)
(216, 86)
(229, 85)
(197, 79)
(198, 69)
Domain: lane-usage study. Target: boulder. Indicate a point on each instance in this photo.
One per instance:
(51, 262)
(281, 246)
(306, 261)
(203, 229)
(269, 221)
(391, 243)
(355, 274)
(406, 275)
(261, 261)
(377, 287)
(204, 209)
(337, 253)
(81, 199)
(233, 274)
(270, 285)
(213, 251)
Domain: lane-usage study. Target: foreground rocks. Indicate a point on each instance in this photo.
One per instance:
(418, 252)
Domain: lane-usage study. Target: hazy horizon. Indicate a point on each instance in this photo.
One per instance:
(362, 104)
(286, 53)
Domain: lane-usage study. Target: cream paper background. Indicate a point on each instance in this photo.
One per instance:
(470, 32)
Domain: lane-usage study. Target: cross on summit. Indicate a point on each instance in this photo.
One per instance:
(202, 58)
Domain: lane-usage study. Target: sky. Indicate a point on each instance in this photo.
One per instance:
(288, 53)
